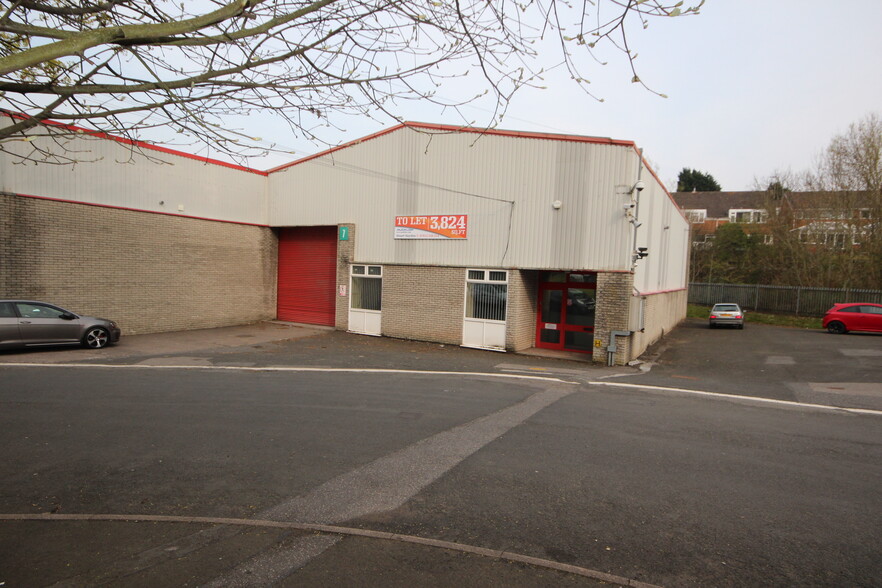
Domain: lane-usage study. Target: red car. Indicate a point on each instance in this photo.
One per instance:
(854, 316)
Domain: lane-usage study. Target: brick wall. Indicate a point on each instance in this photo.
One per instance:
(613, 299)
(662, 312)
(345, 257)
(520, 325)
(423, 303)
(150, 272)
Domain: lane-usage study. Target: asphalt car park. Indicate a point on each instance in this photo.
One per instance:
(789, 364)
(275, 424)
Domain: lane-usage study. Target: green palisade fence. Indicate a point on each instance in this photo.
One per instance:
(780, 299)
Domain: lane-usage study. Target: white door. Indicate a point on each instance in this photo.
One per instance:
(485, 306)
(366, 299)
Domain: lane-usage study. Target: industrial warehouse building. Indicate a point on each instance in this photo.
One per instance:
(488, 239)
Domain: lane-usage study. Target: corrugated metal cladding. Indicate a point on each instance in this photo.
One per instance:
(307, 275)
(665, 233)
(115, 174)
(505, 184)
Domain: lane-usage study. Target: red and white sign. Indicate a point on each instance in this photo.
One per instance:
(453, 226)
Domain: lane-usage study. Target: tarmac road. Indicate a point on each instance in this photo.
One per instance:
(659, 487)
(799, 365)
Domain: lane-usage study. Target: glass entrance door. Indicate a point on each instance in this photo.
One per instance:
(566, 312)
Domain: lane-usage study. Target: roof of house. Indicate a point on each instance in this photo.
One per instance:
(718, 204)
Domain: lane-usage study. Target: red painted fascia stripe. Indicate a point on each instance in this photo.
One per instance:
(129, 209)
(139, 144)
(335, 149)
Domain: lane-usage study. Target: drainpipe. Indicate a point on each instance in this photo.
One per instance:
(635, 219)
(611, 350)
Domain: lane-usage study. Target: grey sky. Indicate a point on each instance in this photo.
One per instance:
(753, 86)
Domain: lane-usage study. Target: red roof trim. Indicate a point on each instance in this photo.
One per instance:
(463, 129)
(139, 144)
(335, 149)
(129, 209)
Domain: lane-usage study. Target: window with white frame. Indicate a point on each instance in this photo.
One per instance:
(747, 215)
(367, 287)
(696, 215)
(486, 294)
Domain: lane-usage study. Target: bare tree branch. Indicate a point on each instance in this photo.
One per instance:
(190, 65)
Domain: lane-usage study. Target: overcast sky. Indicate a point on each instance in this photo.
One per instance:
(753, 86)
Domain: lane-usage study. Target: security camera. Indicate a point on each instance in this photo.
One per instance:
(639, 185)
(628, 205)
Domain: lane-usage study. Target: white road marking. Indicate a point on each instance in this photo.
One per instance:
(861, 352)
(738, 397)
(290, 369)
(780, 360)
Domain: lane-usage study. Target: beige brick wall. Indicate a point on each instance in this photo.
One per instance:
(613, 297)
(345, 257)
(423, 303)
(662, 312)
(520, 325)
(150, 272)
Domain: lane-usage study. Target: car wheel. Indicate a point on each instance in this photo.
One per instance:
(96, 338)
(741, 326)
(836, 328)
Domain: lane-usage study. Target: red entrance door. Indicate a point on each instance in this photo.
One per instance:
(565, 317)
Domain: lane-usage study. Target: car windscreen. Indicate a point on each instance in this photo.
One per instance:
(725, 308)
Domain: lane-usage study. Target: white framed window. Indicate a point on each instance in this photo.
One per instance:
(367, 287)
(486, 294)
(696, 215)
(747, 215)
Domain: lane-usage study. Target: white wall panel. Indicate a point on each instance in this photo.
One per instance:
(506, 184)
(665, 233)
(112, 173)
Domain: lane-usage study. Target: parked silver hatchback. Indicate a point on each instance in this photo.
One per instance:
(25, 323)
(726, 313)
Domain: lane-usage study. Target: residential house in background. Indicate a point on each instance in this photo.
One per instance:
(828, 219)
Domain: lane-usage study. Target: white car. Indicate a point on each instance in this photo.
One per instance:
(726, 313)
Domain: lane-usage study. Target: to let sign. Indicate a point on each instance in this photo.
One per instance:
(452, 226)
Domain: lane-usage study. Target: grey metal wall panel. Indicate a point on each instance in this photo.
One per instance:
(114, 174)
(506, 185)
(665, 234)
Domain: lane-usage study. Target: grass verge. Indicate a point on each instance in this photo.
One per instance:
(779, 320)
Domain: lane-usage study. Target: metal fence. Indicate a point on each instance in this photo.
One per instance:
(783, 299)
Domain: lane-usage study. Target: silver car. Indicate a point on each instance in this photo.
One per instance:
(25, 323)
(726, 313)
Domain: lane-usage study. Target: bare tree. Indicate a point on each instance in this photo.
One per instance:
(852, 160)
(126, 66)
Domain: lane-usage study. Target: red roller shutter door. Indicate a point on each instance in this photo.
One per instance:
(307, 275)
